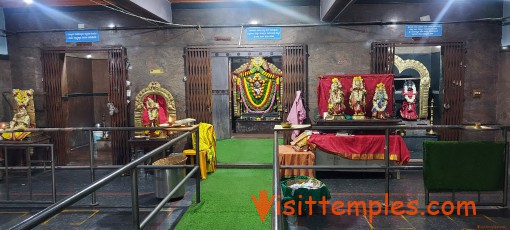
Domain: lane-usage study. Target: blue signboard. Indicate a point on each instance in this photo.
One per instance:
(82, 36)
(263, 33)
(429, 30)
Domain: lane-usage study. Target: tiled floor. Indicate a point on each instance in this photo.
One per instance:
(366, 187)
(113, 210)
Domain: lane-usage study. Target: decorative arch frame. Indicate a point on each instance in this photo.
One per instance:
(422, 70)
(154, 88)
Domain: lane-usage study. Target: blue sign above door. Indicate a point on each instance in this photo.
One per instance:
(429, 30)
(82, 36)
(264, 33)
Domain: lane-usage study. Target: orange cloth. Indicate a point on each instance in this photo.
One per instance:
(288, 156)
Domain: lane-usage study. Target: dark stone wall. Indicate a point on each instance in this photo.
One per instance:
(503, 90)
(6, 88)
(338, 49)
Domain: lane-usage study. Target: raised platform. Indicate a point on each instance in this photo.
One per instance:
(366, 122)
(246, 126)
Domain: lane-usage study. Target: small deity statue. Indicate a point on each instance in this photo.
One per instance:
(336, 105)
(152, 111)
(21, 119)
(357, 98)
(408, 110)
(380, 101)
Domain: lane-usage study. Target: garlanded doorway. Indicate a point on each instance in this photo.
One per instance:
(211, 88)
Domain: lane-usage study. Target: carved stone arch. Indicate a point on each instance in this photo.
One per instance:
(154, 88)
(422, 70)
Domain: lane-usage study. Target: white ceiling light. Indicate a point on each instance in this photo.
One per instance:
(254, 22)
(28, 1)
(89, 56)
(111, 25)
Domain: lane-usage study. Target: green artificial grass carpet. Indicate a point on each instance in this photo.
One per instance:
(226, 201)
(245, 151)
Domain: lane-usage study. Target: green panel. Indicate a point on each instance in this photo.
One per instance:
(463, 166)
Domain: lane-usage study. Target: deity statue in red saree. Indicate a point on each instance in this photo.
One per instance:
(408, 110)
(357, 98)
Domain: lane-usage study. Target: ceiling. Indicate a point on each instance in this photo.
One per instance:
(20, 3)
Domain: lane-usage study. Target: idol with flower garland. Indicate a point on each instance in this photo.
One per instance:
(380, 102)
(21, 119)
(336, 105)
(357, 99)
(408, 110)
(257, 90)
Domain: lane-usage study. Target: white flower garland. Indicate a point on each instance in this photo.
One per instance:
(358, 95)
(384, 103)
(413, 97)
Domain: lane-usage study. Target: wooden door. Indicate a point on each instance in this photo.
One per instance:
(198, 84)
(53, 63)
(118, 96)
(295, 72)
(453, 88)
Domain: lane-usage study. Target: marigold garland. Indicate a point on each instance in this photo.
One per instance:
(258, 85)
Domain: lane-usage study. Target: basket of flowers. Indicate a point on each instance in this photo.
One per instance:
(301, 188)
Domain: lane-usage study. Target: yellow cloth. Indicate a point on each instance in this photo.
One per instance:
(207, 144)
(15, 136)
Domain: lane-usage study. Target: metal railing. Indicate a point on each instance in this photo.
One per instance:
(29, 169)
(131, 168)
(277, 221)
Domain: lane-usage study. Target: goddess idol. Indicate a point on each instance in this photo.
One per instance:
(408, 110)
(357, 98)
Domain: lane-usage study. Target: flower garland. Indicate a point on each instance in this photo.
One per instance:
(258, 101)
(258, 85)
(253, 110)
(413, 96)
(380, 98)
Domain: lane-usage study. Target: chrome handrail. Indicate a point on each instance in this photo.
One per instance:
(53, 209)
(276, 220)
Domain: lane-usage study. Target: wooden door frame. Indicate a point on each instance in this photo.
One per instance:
(120, 155)
(445, 134)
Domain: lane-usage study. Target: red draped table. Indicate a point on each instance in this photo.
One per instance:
(362, 147)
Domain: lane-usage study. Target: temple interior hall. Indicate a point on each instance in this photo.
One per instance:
(254, 114)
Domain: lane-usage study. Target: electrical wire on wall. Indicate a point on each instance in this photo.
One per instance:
(163, 25)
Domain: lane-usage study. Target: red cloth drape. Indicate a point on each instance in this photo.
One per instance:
(362, 147)
(371, 81)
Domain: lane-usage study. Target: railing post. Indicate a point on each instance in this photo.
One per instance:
(7, 197)
(197, 162)
(505, 189)
(387, 169)
(276, 185)
(92, 171)
(134, 198)
(53, 185)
